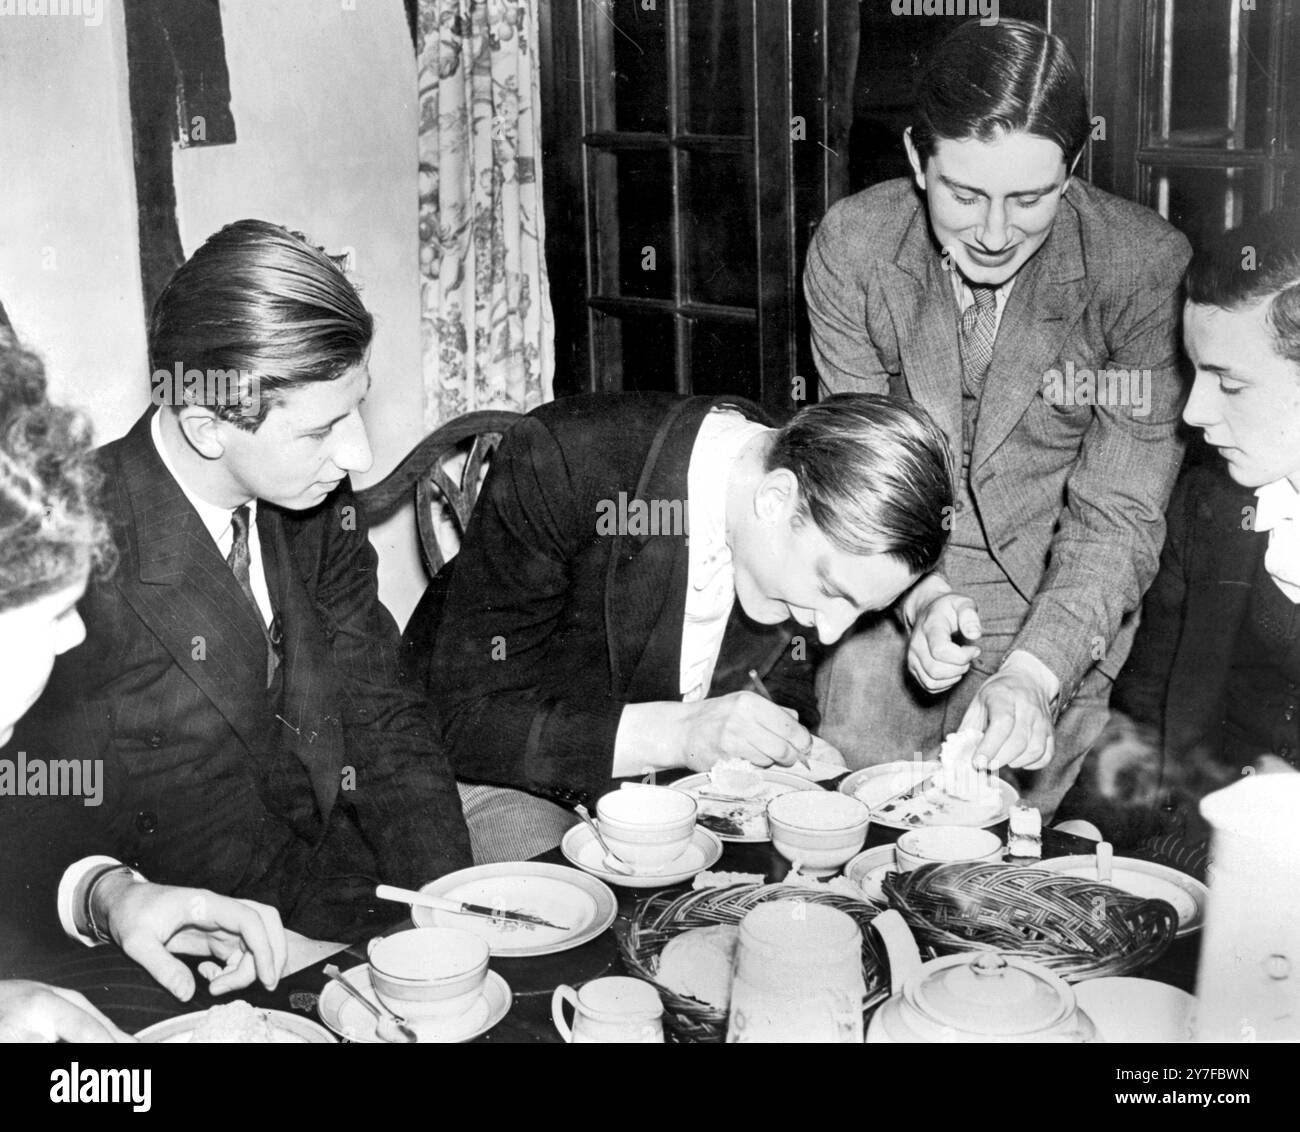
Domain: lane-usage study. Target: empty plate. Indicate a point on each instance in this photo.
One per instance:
(1146, 879)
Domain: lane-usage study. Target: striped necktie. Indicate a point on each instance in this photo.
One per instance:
(979, 327)
(238, 561)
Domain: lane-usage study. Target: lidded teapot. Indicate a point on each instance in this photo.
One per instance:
(973, 996)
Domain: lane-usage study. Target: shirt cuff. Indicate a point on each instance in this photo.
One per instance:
(73, 875)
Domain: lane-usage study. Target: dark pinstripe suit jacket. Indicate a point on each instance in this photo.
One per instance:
(551, 626)
(301, 803)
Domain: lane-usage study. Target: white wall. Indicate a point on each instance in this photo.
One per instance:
(69, 249)
(324, 101)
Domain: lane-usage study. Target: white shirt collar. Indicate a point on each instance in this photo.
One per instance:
(217, 520)
(1279, 502)
(1278, 514)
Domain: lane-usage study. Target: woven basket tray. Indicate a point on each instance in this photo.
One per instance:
(665, 915)
(1079, 929)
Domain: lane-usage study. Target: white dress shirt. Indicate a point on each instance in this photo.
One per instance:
(710, 584)
(219, 522)
(1278, 513)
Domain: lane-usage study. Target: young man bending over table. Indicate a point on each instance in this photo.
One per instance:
(581, 635)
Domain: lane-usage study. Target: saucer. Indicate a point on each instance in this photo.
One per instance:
(581, 849)
(354, 1023)
(868, 870)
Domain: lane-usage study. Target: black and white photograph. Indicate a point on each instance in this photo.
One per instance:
(651, 521)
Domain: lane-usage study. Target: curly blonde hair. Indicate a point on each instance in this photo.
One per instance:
(50, 529)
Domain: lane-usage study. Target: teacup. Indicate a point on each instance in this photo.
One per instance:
(942, 844)
(613, 1009)
(429, 972)
(818, 830)
(647, 826)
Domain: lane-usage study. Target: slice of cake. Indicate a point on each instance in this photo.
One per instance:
(960, 777)
(737, 777)
(233, 1022)
(698, 964)
(1025, 838)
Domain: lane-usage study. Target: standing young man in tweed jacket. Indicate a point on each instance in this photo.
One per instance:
(1036, 318)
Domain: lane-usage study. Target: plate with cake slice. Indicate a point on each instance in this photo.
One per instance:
(237, 1023)
(907, 794)
(733, 797)
(951, 790)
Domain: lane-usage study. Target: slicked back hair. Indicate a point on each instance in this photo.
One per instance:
(1010, 77)
(875, 475)
(263, 302)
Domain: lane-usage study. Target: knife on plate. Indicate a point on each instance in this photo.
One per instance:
(442, 904)
(910, 792)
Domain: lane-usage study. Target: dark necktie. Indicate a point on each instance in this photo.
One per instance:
(979, 327)
(238, 560)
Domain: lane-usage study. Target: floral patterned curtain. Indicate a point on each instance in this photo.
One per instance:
(486, 317)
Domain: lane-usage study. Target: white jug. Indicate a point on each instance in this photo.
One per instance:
(1248, 985)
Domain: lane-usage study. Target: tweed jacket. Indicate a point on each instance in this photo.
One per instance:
(1070, 493)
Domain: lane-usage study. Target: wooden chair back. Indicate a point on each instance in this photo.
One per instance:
(437, 493)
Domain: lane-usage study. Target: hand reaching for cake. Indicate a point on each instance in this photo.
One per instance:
(1013, 708)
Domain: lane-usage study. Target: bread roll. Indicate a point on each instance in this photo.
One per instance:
(697, 964)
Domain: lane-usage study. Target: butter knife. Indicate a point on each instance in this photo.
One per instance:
(442, 904)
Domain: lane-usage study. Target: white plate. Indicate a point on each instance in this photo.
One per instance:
(1146, 879)
(583, 905)
(1137, 1010)
(892, 778)
(582, 849)
(288, 1029)
(354, 1023)
(779, 782)
(868, 869)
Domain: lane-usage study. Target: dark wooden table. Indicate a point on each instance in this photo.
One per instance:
(123, 991)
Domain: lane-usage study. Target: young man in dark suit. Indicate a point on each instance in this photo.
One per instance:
(633, 557)
(1036, 318)
(240, 679)
(1213, 680)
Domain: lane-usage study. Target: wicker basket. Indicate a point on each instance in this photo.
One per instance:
(665, 915)
(1079, 929)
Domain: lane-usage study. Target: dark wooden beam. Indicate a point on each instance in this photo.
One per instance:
(180, 94)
